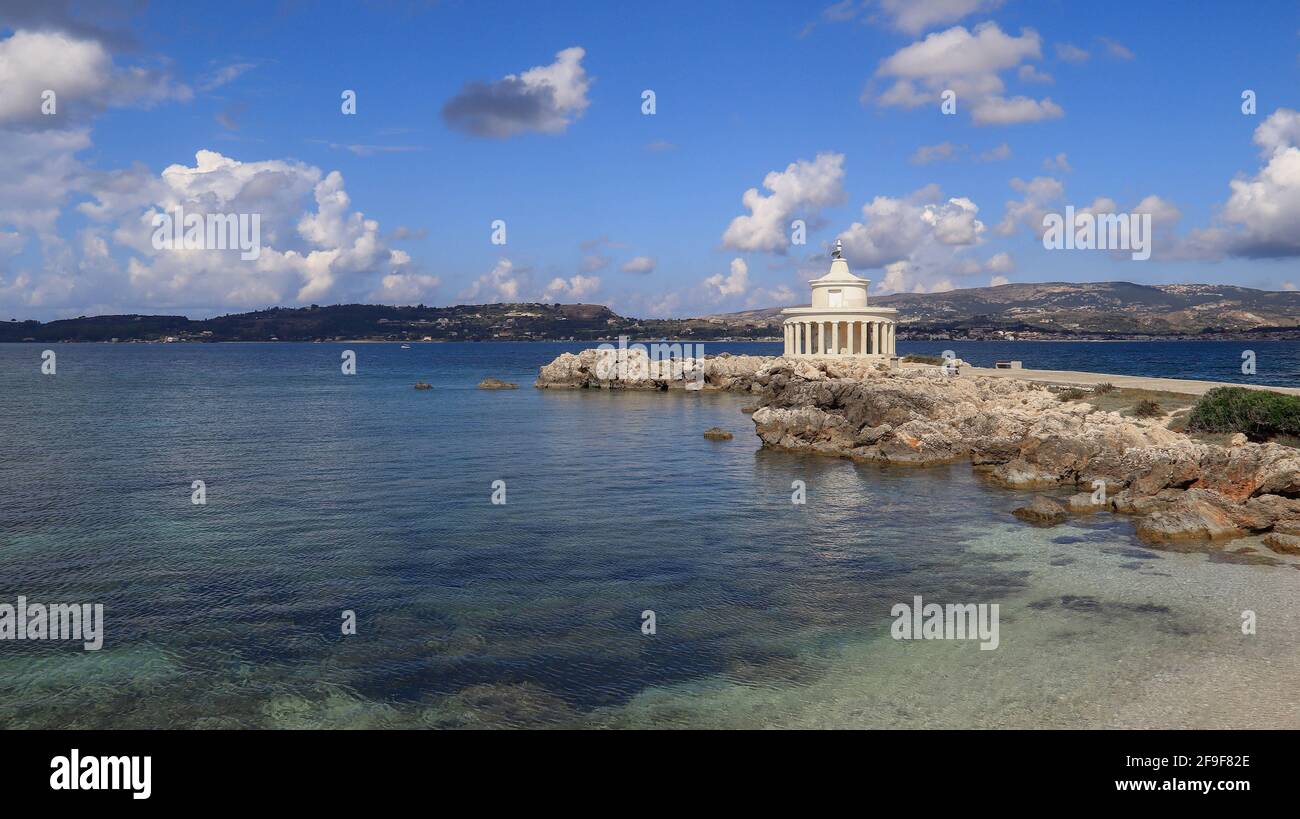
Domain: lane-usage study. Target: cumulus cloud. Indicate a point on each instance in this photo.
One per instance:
(405, 288)
(735, 283)
(803, 187)
(998, 281)
(545, 98)
(82, 75)
(1000, 263)
(895, 229)
(639, 265)
(918, 240)
(968, 63)
(1028, 211)
(574, 288)
(1262, 214)
(305, 255)
(500, 284)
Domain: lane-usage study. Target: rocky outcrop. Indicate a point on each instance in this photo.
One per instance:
(496, 384)
(1015, 432)
(1043, 511)
(1020, 436)
(636, 369)
(1283, 544)
(717, 434)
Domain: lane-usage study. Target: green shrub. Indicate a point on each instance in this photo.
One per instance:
(1072, 394)
(923, 359)
(1146, 408)
(1260, 414)
(1103, 388)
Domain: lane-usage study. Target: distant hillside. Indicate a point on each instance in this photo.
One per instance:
(1095, 308)
(347, 322)
(1054, 310)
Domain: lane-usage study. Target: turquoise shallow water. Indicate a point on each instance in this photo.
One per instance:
(329, 493)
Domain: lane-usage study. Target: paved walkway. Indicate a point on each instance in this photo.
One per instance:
(1133, 382)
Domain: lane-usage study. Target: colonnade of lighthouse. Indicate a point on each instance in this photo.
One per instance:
(832, 337)
(839, 322)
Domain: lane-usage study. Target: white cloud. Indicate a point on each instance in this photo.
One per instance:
(997, 154)
(906, 277)
(405, 288)
(1029, 73)
(802, 187)
(1000, 263)
(918, 240)
(1059, 163)
(1071, 53)
(998, 281)
(734, 283)
(501, 284)
(1116, 49)
(639, 265)
(968, 63)
(915, 16)
(1261, 218)
(1038, 193)
(575, 288)
(896, 229)
(593, 262)
(546, 98)
(944, 151)
(1002, 111)
(326, 252)
(224, 75)
(80, 72)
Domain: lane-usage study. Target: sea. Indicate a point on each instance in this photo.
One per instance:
(369, 555)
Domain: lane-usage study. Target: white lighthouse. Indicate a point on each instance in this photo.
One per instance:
(839, 322)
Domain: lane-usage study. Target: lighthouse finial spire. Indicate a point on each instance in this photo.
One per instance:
(838, 253)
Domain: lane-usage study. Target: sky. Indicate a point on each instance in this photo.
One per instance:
(411, 152)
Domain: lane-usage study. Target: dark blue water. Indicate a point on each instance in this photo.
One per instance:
(328, 493)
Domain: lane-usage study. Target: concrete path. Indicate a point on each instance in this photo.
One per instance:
(1134, 382)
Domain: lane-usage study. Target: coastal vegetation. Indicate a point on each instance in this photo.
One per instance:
(1146, 408)
(1259, 414)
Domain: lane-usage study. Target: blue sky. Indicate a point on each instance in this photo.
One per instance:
(1113, 106)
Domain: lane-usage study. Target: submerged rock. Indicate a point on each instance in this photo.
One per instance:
(420, 385)
(717, 434)
(496, 384)
(1283, 544)
(1042, 510)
